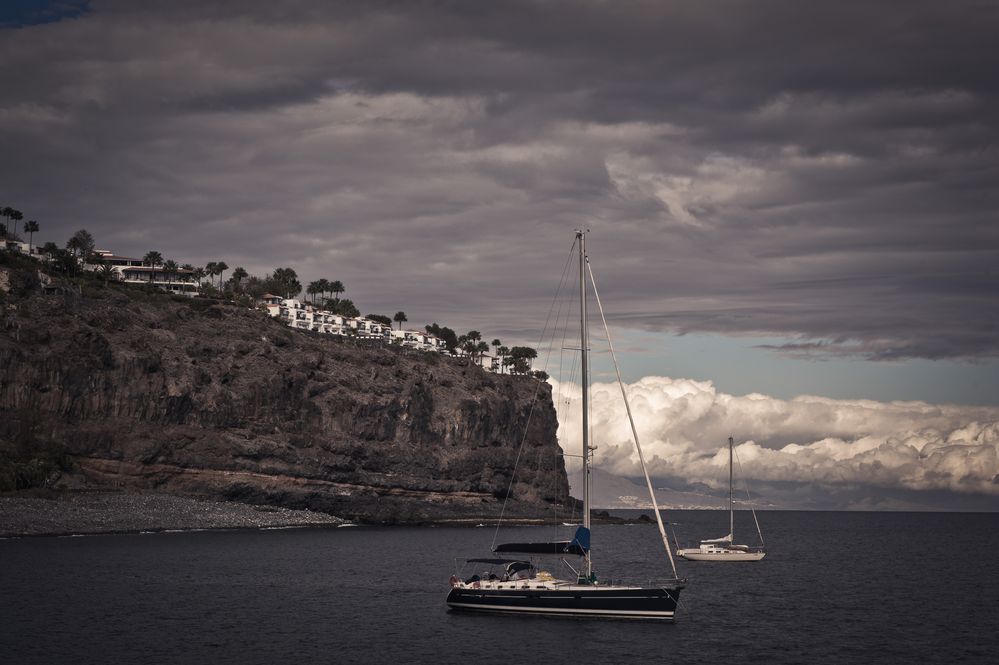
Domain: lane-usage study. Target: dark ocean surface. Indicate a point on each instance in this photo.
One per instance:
(834, 588)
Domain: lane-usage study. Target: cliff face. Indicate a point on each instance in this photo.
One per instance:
(146, 391)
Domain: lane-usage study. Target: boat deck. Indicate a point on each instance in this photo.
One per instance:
(537, 585)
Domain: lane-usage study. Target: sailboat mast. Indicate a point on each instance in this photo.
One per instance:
(731, 509)
(584, 357)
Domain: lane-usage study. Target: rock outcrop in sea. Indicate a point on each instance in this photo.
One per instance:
(134, 390)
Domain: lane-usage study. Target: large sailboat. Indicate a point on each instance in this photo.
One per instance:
(724, 548)
(522, 582)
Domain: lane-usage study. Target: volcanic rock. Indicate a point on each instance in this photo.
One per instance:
(135, 390)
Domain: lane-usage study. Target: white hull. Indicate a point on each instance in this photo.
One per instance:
(728, 555)
(725, 548)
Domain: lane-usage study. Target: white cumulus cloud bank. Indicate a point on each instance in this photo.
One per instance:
(684, 426)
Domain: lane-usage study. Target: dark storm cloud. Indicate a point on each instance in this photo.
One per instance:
(822, 173)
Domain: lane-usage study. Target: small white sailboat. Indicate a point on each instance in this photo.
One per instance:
(724, 548)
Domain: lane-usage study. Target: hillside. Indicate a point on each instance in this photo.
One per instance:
(112, 387)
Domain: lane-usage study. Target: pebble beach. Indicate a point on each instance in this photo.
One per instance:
(79, 513)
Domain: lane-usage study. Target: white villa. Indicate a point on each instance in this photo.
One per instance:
(134, 271)
(22, 247)
(293, 312)
(304, 316)
(414, 339)
(126, 268)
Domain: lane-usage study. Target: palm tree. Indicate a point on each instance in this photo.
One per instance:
(324, 286)
(473, 337)
(107, 272)
(502, 352)
(481, 348)
(17, 217)
(468, 345)
(400, 318)
(210, 269)
(336, 288)
(170, 268)
(238, 275)
(312, 289)
(199, 274)
(10, 214)
(31, 228)
(153, 259)
(285, 280)
(221, 267)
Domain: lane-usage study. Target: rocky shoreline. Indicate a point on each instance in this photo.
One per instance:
(68, 513)
(79, 513)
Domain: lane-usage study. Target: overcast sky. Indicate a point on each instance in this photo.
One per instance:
(809, 189)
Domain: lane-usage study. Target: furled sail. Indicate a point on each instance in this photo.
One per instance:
(725, 539)
(579, 545)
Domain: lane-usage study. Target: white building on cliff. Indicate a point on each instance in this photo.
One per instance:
(304, 316)
(134, 271)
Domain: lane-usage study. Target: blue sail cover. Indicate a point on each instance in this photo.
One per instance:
(497, 562)
(579, 545)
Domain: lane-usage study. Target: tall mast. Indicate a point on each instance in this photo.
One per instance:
(731, 510)
(584, 356)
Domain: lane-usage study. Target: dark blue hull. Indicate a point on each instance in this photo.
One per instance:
(596, 601)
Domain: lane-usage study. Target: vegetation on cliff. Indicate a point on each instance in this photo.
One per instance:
(81, 257)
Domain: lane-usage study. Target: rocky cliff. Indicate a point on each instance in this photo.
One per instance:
(133, 389)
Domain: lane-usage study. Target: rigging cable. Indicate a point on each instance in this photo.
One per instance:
(749, 498)
(561, 413)
(534, 400)
(631, 420)
(566, 408)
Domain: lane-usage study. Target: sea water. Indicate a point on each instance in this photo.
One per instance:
(834, 588)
